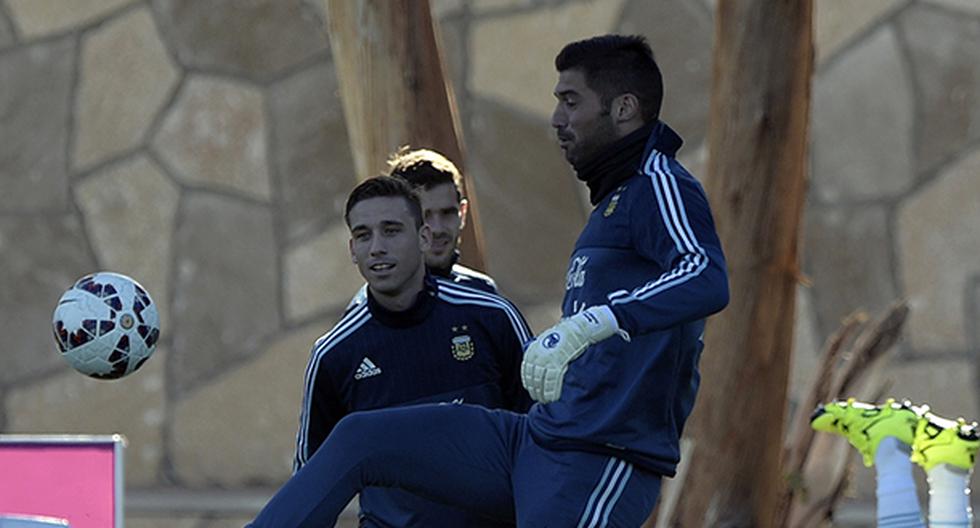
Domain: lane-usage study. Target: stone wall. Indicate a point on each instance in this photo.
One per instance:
(200, 147)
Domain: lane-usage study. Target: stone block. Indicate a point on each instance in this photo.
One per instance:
(862, 120)
(226, 286)
(681, 37)
(72, 403)
(937, 249)
(967, 7)
(319, 274)
(312, 151)
(945, 52)
(257, 39)
(837, 23)
(505, 67)
(443, 8)
(126, 76)
(37, 18)
(807, 348)
(454, 33)
(41, 257)
(495, 7)
(973, 312)
(215, 136)
(34, 103)
(847, 256)
(7, 35)
(947, 384)
(528, 199)
(130, 211)
(259, 402)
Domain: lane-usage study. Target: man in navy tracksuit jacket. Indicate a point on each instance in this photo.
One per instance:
(615, 379)
(453, 345)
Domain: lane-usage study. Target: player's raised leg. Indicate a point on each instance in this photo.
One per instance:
(456, 454)
(947, 450)
(883, 435)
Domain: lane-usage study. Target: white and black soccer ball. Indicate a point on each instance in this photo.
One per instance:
(106, 325)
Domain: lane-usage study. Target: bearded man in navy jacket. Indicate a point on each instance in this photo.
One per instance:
(614, 380)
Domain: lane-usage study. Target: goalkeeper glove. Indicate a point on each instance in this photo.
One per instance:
(547, 357)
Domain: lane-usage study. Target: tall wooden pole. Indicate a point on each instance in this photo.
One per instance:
(395, 91)
(757, 139)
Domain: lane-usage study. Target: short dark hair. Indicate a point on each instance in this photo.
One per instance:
(614, 65)
(383, 186)
(425, 169)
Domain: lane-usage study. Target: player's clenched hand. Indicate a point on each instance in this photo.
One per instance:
(547, 357)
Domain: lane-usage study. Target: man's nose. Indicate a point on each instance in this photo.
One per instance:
(558, 119)
(378, 246)
(436, 224)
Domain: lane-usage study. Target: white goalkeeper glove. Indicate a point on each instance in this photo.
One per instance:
(546, 358)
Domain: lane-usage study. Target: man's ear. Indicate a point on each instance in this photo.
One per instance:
(425, 238)
(464, 207)
(350, 247)
(625, 107)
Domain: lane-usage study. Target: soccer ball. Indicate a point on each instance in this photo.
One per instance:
(106, 325)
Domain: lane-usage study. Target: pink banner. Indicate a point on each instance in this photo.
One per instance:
(70, 481)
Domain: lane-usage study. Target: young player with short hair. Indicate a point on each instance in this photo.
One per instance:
(439, 185)
(415, 339)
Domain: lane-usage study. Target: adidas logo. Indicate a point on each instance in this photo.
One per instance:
(366, 369)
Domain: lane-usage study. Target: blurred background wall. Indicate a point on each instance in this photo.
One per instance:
(199, 146)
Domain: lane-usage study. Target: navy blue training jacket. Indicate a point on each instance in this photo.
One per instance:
(455, 345)
(650, 252)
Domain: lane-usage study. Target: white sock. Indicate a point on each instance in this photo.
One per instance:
(949, 496)
(898, 504)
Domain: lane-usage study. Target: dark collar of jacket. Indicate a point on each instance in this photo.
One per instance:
(414, 315)
(621, 160)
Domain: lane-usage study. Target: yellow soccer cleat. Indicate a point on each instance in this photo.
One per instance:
(942, 441)
(865, 425)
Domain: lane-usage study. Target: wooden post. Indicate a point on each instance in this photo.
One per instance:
(395, 91)
(757, 139)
